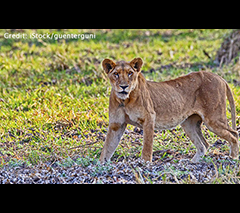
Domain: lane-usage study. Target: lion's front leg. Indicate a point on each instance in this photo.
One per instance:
(148, 130)
(114, 135)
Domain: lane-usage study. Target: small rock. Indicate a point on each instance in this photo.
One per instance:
(138, 130)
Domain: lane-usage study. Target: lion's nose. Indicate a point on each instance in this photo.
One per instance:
(123, 87)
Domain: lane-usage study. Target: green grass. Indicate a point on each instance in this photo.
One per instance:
(54, 93)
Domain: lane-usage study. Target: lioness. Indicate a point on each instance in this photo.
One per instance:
(188, 100)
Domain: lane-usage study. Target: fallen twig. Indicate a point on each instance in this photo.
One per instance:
(206, 54)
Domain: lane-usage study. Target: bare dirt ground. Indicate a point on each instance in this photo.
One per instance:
(129, 171)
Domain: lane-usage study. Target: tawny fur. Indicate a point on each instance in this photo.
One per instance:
(188, 100)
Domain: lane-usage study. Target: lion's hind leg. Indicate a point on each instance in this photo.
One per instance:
(223, 130)
(192, 127)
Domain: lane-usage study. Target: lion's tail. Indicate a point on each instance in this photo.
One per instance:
(232, 105)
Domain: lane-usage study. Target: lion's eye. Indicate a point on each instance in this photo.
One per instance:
(130, 74)
(116, 74)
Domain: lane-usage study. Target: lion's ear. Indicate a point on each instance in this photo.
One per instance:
(137, 63)
(108, 65)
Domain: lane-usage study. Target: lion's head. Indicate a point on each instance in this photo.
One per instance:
(123, 75)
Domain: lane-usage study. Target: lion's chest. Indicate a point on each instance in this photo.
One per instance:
(134, 116)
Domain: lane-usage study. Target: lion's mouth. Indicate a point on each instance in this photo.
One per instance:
(123, 92)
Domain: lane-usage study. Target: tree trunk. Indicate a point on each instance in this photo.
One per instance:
(229, 49)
